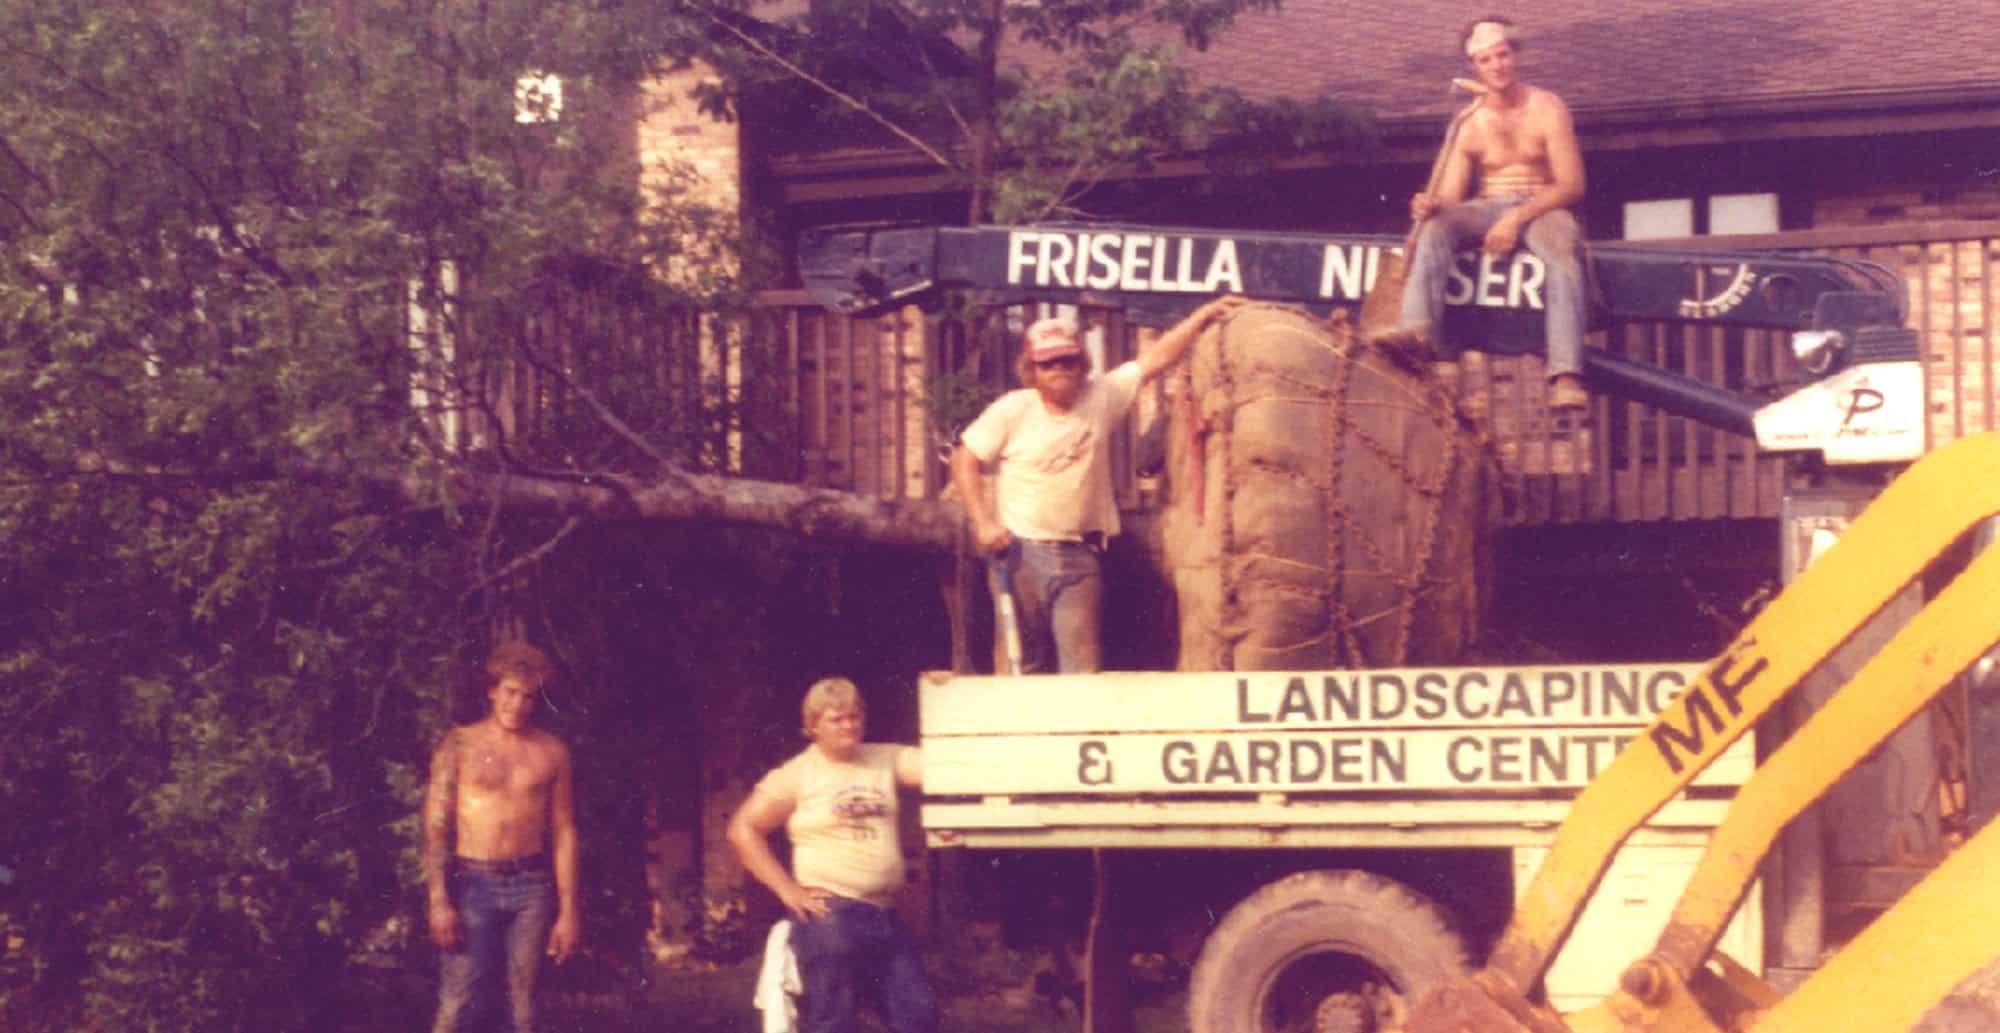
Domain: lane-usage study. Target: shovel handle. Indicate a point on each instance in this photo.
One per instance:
(1006, 618)
(1437, 165)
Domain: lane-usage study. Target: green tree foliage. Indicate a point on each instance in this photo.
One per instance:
(1028, 109)
(1024, 110)
(228, 642)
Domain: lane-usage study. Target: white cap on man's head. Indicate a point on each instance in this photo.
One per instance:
(1051, 338)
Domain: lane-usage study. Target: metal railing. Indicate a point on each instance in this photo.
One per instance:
(795, 393)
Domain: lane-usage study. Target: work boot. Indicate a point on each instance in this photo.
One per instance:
(1407, 345)
(1566, 392)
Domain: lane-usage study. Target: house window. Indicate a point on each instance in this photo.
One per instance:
(1717, 214)
(1743, 213)
(432, 313)
(1659, 220)
(538, 98)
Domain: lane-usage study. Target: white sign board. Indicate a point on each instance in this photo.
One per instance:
(1871, 413)
(1470, 729)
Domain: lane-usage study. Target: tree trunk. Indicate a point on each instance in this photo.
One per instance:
(986, 89)
(679, 495)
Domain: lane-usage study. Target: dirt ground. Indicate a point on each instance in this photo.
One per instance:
(995, 993)
(718, 1001)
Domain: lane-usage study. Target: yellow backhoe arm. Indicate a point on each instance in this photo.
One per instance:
(1919, 516)
(1921, 661)
(1908, 958)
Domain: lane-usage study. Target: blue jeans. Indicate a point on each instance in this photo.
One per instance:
(1058, 593)
(860, 949)
(1554, 237)
(504, 918)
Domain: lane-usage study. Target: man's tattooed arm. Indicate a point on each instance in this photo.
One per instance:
(440, 812)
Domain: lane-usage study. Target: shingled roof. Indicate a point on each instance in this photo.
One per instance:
(1612, 58)
(1638, 74)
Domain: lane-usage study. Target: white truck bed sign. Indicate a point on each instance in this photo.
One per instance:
(1488, 729)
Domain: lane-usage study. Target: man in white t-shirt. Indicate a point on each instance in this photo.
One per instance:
(1053, 506)
(837, 801)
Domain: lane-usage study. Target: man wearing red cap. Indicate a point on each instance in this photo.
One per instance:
(1053, 506)
(1521, 142)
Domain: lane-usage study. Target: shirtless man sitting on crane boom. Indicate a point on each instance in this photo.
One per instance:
(1520, 141)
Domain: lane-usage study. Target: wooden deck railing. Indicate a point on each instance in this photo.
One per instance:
(867, 399)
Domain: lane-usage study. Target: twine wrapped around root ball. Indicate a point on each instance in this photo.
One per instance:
(1326, 508)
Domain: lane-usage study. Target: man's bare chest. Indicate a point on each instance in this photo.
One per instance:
(504, 770)
(1509, 138)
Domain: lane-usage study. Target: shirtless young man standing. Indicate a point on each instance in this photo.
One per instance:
(1520, 141)
(500, 849)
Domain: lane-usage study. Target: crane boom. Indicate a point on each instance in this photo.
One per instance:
(1863, 402)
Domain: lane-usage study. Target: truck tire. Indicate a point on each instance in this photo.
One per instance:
(1294, 957)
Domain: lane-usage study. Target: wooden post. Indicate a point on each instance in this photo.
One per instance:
(1107, 992)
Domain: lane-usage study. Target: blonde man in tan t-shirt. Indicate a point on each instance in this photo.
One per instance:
(837, 801)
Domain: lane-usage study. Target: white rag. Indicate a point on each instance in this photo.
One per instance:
(1484, 35)
(778, 986)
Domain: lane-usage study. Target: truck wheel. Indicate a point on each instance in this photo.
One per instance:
(1322, 949)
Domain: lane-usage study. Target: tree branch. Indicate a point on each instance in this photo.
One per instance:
(525, 560)
(610, 419)
(830, 90)
(678, 495)
(674, 494)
